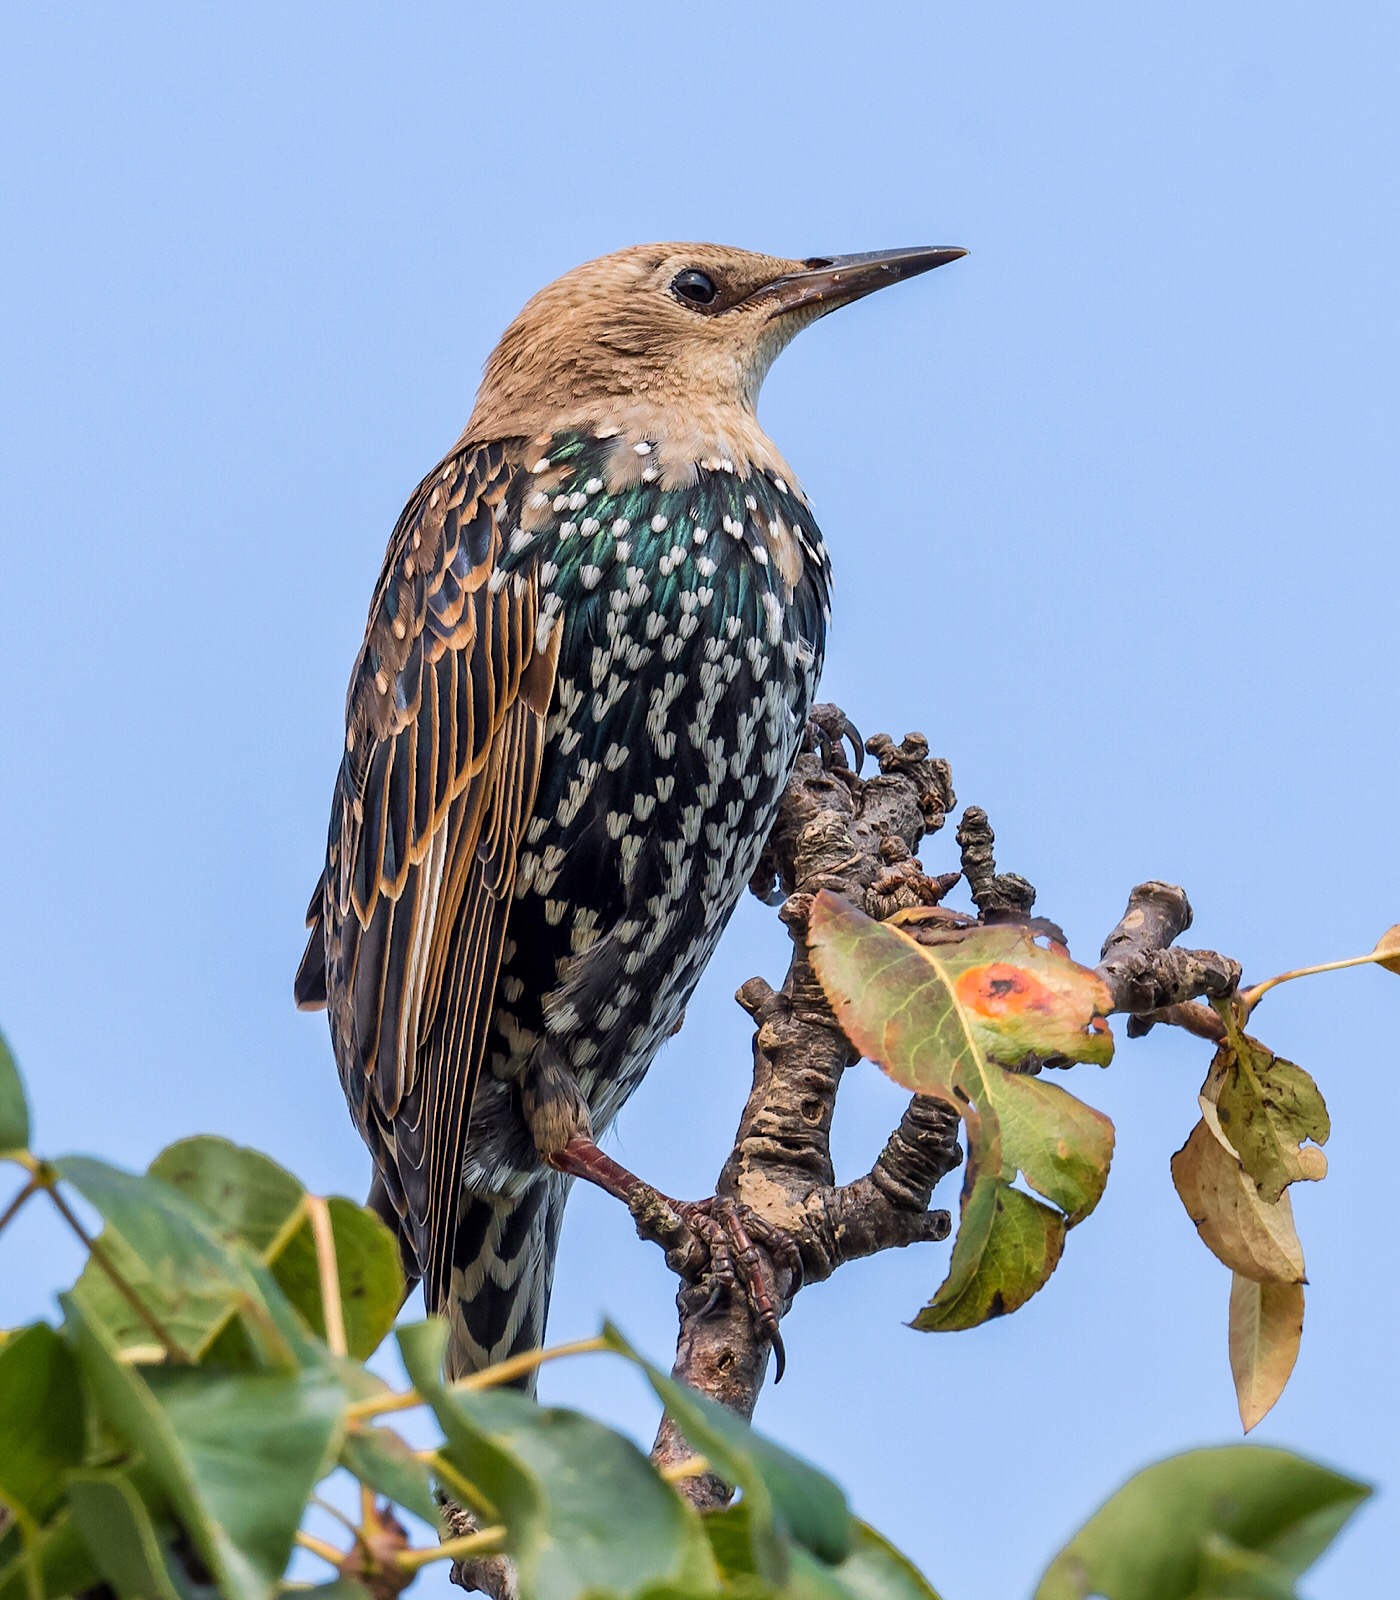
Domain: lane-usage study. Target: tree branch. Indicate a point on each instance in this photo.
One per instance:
(857, 838)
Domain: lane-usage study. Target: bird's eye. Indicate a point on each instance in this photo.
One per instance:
(695, 287)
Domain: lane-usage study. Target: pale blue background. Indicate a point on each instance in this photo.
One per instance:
(1112, 504)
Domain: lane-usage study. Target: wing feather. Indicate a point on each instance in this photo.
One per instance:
(444, 736)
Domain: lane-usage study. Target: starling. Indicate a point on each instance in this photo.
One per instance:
(583, 685)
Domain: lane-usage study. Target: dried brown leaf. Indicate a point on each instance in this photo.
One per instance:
(1387, 951)
(1240, 1228)
(1268, 1108)
(1266, 1326)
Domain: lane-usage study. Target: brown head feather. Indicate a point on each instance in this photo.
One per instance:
(611, 344)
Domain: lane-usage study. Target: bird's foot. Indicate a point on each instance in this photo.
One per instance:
(732, 1235)
(716, 1242)
(829, 730)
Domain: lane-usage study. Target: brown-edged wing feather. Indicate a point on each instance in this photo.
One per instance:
(444, 733)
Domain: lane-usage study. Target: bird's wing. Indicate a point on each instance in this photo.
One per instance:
(444, 734)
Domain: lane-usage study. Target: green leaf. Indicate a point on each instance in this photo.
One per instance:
(381, 1460)
(1007, 1246)
(875, 1570)
(41, 1420)
(1166, 1530)
(584, 1510)
(731, 1540)
(1268, 1108)
(784, 1495)
(64, 1562)
(165, 1249)
(250, 1196)
(370, 1271)
(246, 1192)
(1229, 1572)
(237, 1453)
(117, 1529)
(946, 1019)
(199, 1275)
(14, 1108)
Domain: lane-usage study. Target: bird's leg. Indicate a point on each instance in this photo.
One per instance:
(553, 1103)
(730, 1234)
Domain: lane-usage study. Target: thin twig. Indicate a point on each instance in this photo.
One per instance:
(487, 1542)
(514, 1367)
(319, 1547)
(168, 1342)
(16, 1205)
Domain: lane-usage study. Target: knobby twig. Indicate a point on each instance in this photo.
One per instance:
(858, 838)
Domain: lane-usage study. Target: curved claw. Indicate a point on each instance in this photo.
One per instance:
(828, 728)
(724, 1229)
(742, 1254)
(714, 1297)
(823, 743)
(851, 732)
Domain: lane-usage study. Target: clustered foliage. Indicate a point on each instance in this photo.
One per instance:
(967, 1013)
(168, 1439)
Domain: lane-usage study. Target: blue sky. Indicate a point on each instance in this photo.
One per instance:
(1112, 507)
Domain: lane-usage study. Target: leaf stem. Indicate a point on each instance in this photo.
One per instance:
(47, 1179)
(488, 1542)
(378, 1405)
(679, 1471)
(503, 1372)
(12, 1210)
(1253, 995)
(29, 1538)
(319, 1547)
(324, 1235)
(465, 1490)
(517, 1366)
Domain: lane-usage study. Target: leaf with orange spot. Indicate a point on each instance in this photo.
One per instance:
(947, 1019)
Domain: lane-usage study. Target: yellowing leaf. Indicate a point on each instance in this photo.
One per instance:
(1239, 1228)
(1266, 1327)
(1007, 1246)
(1267, 1107)
(945, 1019)
(1387, 951)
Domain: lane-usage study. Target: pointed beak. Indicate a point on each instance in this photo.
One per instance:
(827, 282)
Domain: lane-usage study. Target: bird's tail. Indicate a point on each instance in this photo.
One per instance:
(502, 1272)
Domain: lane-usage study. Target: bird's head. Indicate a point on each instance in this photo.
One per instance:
(672, 339)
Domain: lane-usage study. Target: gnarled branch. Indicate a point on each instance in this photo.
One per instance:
(857, 837)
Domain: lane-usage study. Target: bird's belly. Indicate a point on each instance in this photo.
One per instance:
(647, 829)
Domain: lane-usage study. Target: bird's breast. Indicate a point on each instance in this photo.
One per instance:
(693, 624)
